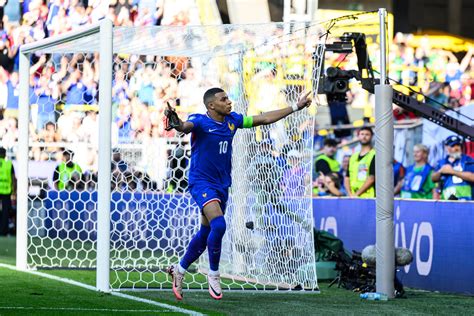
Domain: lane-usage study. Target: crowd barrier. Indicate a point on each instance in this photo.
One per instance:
(439, 234)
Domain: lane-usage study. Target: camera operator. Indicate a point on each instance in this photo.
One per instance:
(337, 103)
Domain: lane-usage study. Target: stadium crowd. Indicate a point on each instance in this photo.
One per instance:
(64, 90)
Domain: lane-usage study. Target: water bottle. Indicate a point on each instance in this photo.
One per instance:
(373, 296)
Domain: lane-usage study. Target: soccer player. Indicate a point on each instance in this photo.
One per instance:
(210, 175)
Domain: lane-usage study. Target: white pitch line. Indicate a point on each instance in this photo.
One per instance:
(90, 287)
(79, 309)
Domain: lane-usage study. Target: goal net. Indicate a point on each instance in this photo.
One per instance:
(269, 239)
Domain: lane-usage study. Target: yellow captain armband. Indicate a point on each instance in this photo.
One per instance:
(248, 122)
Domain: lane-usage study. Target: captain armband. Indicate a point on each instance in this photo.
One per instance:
(248, 122)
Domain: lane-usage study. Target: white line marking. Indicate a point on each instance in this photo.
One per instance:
(85, 309)
(90, 287)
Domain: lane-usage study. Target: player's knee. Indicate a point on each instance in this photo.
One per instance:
(204, 231)
(218, 225)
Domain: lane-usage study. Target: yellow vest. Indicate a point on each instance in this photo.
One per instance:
(65, 174)
(333, 163)
(6, 183)
(359, 172)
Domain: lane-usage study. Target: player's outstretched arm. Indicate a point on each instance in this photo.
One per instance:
(173, 121)
(273, 116)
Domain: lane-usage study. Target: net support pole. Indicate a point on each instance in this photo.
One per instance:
(22, 163)
(385, 249)
(105, 121)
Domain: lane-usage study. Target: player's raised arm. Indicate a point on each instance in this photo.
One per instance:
(173, 121)
(273, 116)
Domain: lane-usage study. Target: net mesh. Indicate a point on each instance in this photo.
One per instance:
(269, 238)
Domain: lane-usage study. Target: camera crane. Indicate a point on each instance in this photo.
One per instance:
(336, 82)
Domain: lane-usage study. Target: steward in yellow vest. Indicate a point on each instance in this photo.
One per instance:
(65, 171)
(360, 177)
(7, 190)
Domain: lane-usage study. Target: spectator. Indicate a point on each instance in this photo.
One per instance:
(7, 191)
(343, 171)
(6, 54)
(398, 177)
(417, 183)
(294, 178)
(177, 180)
(118, 165)
(360, 177)
(13, 94)
(265, 177)
(326, 164)
(329, 185)
(49, 135)
(455, 172)
(67, 173)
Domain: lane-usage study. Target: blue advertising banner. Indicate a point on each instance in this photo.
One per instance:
(439, 234)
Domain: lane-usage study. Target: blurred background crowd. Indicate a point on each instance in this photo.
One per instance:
(64, 91)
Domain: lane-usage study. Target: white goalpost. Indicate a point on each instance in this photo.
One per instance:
(127, 215)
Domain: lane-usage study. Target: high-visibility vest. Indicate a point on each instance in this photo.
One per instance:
(6, 181)
(333, 163)
(359, 172)
(65, 174)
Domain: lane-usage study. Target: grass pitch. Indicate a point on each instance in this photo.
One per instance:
(25, 294)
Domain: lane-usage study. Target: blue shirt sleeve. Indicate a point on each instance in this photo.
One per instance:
(196, 120)
(237, 118)
(439, 165)
(469, 165)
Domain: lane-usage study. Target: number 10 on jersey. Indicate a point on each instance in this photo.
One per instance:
(223, 147)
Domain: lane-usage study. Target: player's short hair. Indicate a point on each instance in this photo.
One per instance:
(3, 152)
(367, 128)
(210, 94)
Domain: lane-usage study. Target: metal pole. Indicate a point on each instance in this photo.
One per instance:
(105, 121)
(22, 166)
(312, 9)
(385, 243)
(286, 10)
(383, 47)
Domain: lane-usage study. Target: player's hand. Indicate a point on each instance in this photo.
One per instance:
(172, 120)
(304, 101)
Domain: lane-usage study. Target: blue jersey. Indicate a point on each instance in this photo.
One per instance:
(211, 149)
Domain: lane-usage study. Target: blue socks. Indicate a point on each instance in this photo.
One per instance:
(214, 242)
(196, 247)
(206, 236)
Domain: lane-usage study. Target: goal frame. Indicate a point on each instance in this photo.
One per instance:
(105, 31)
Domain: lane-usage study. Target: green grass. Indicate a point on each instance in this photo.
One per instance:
(329, 301)
(28, 294)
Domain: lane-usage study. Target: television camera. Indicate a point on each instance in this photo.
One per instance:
(335, 84)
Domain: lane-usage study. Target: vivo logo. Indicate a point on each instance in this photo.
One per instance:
(413, 242)
(329, 224)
